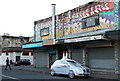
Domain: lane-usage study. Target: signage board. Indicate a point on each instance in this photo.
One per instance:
(88, 38)
(33, 45)
(48, 42)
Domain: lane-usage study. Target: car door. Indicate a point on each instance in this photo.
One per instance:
(57, 67)
(64, 68)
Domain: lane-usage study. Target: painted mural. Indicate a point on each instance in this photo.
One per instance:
(71, 22)
(67, 23)
(108, 18)
(13, 42)
(76, 21)
(59, 26)
(45, 23)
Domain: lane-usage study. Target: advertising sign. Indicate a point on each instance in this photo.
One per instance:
(32, 45)
(88, 38)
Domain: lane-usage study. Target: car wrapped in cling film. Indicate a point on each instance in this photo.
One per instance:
(69, 67)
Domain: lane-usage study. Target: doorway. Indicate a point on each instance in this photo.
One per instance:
(17, 58)
(52, 59)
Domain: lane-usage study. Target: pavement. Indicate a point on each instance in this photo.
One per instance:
(30, 68)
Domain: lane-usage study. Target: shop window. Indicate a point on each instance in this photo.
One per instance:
(44, 32)
(90, 21)
(26, 53)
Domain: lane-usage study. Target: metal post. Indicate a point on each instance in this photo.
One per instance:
(53, 20)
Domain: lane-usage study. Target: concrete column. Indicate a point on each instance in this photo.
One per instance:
(21, 54)
(85, 57)
(29, 53)
(14, 53)
(117, 58)
(56, 54)
(34, 58)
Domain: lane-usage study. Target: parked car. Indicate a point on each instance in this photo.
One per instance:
(69, 67)
(23, 62)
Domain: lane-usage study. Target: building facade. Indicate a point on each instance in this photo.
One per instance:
(12, 48)
(89, 34)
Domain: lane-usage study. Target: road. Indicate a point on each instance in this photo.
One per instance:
(20, 75)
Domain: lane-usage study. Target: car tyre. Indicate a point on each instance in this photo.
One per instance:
(52, 72)
(71, 75)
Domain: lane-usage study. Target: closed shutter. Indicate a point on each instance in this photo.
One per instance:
(101, 59)
(42, 59)
(77, 55)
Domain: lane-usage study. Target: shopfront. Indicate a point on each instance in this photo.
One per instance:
(102, 59)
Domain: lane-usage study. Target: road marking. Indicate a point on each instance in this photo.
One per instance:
(9, 77)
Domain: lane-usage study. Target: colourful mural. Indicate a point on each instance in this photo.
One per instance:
(76, 21)
(14, 41)
(116, 12)
(108, 18)
(67, 23)
(59, 26)
(45, 23)
(71, 22)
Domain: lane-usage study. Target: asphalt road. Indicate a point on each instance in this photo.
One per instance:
(20, 75)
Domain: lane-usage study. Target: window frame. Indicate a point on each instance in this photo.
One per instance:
(93, 16)
(45, 34)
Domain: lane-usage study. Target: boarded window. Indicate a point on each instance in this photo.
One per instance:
(44, 32)
(90, 21)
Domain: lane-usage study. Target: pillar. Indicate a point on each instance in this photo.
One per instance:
(85, 57)
(14, 53)
(117, 58)
(34, 58)
(56, 54)
(29, 53)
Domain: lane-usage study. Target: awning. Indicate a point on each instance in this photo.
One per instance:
(15, 49)
(113, 35)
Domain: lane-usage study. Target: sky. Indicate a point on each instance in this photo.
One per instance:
(17, 16)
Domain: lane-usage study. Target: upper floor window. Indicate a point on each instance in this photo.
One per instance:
(44, 32)
(90, 21)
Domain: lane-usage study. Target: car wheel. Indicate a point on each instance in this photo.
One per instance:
(71, 74)
(52, 72)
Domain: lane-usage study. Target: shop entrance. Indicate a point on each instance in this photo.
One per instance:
(52, 59)
(17, 58)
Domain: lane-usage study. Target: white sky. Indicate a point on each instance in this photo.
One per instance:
(17, 16)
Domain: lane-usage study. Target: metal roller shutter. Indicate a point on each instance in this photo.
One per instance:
(101, 59)
(77, 55)
(42, 59)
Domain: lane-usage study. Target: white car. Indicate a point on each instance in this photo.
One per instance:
(69, 67)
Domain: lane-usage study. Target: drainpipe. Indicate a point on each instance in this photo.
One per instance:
(53, 21)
